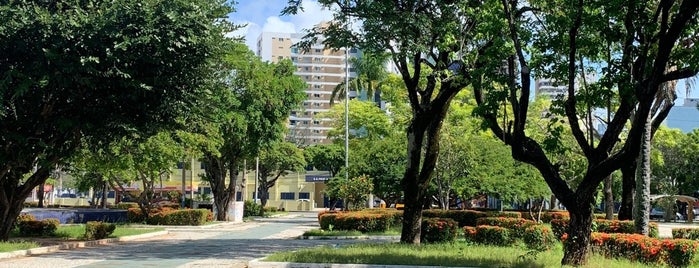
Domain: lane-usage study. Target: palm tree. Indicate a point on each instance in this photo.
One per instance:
(370, 72)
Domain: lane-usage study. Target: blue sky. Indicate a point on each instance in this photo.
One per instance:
(264, 16)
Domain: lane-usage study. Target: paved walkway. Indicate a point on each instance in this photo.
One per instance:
(226, 245)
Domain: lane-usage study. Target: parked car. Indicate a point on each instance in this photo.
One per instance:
(659, 214)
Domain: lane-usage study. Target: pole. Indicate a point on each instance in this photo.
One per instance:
(184, 183)
(245, 181)
(347, 108)
(191, 184)
(257, 177)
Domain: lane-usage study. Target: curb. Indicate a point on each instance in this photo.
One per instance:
(79, 244)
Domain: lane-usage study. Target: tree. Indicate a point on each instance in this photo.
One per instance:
(328, 157)
(382, 160)
(249, 108)
(354, 191)
(94, 71)
(567, 37)
(276, 161)
(423, 39)
(370, 71)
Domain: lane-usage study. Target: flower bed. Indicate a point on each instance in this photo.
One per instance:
(640, 248)
(685, 233)
(438, 230)
(560, 226)
(363, 221)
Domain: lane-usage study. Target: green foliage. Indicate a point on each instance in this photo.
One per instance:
(45, 227)
(379, 220)
(330, 157)
(252, 209)
(489, 235)
(354, 191)
(538, 237)
(640, 248)
(134, 215)
(462, 217)
(179, 217)
(517, 226)
(95, 230)
(277, 161)
(24, 217)
(126, 205)
(685, 233)
(436, 230)
(560, 227)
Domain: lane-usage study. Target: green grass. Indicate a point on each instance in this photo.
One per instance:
(77, 231)
(458, 254)
(319, 232)
(17, 245)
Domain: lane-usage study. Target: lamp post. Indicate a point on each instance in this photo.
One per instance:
(347, 49)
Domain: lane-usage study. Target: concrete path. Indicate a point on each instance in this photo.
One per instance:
(227, 245)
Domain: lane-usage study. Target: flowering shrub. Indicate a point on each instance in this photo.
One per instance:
(126, 205)
(685, 233)
(22, 217)
(135, 215)
(558, 215)
(98, 230)
(538, 237)
(462, 217)
(363, 221)
(45, 227)
(636, 247)
(505, 214)
(492, 235)
(560, 226)
(179, 217)
(438, 230)
(516, 225)
(470, 233)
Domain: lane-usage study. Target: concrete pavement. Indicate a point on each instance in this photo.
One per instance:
(226, 245)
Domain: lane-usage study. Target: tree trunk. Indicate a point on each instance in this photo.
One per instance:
(412, 216)
(577, 248)
(608, 198)
(105, 191)
(216, 174)
(41, 195)
(642, 211)
(264, 195)
(628, 188)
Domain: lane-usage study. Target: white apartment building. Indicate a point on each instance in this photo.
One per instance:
(321, 68)
(550, 88)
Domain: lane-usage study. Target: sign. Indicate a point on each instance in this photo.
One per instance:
(317, 178)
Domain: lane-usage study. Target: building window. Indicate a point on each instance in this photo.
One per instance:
(317, 50)
(294, 50)
(202, 165)
(316, 95)
(316, 86)
(280, 57)
(180, 165)
(316, 122)
(353, 50)
(304, 195)
(287, 196)
(238, 196)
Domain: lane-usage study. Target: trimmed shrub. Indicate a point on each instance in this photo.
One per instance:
(22, 217)
(438, 230)
(470, 233)
(126, 205)
(555, 214)
(45, 227)
(516, 225)
(680, 252)
(462, 217)
(363, 221)
(685, 233)
(135, 215)
(603, 216)
(179, 217)
(505, 214)
(270, 209)
(636, 247)
(95, 230)
(538, 237)
(326, 220)
(560, 226)
(252, 209)
(492, 235)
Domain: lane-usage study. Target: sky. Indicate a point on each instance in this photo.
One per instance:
(263, 15)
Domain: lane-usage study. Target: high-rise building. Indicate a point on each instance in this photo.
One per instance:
(550, 88)
(322, 69)
(684, 117)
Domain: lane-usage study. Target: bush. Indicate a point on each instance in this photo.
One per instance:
(635, 247)
(22, 217)
(126, 205)
(558, 215)
(504, 214)
(438, 230)
(685, 233)
(538, 237)
(179, 217)
(46, 227)
(559, 227)
(135, 215)
(492, 235)
(470, 233)
(326, 220)
(252, 209)
(363, 221)
(462, 217)
(95, 230)
(516, 225)
(270, 209)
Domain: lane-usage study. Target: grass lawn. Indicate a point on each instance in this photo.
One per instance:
(449, 254)
(17, 245)
(67, 233)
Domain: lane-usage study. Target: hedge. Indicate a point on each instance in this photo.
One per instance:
(488, 235)
(462, 217)
(45, 227)
(438, 230)
(517, 225)
(126, 205)
(640, 248)
(363, 221)
(179, 217)
(95, 230)
(560, 226)
(685, 233)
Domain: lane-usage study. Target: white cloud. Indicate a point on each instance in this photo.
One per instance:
(313, 14)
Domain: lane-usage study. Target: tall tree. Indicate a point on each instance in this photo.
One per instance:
(370, 70)
(645, 37)
(328, 157)
(250, 107)
(95, 71)
(424, 39)
(277, 161)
